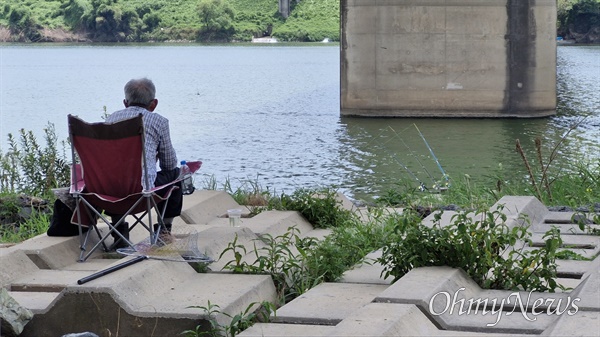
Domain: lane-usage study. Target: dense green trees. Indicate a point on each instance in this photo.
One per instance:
(160, 20)
(216, 17)
(577, 16)
(21, 22)
(104, 20)
(74, 11)
(311, 20)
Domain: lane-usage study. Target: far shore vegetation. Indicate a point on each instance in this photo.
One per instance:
(207, 20)
(170, 20)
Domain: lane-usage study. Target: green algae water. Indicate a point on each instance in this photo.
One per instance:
(269, 114)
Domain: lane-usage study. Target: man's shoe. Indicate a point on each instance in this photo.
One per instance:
(119, 244)
(166, 228)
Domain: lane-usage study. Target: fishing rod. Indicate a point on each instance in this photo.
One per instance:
(432, 154)
(422, 186)
(413, 154)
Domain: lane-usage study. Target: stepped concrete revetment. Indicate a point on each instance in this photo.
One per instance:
(162, 298)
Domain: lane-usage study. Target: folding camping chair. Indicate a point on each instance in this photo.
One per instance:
(108, 180)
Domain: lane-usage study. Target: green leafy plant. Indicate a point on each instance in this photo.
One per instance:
(311, 20)
(587, 223)
(237, 265)
(298, 264)
(493, 254)
(348, 245)
(278, 257)
(250, 194)
(247, 192)
(239, 322)
(36, 224)
(214, 329)
(402, 194)
(541, 176)
(28, 167)
(319, 206)
(9, 208)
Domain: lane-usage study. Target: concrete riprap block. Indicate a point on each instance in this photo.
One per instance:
(37, 302)
(369, 271)
(59, 252)
(451, 299)
(395, 319)
(327, 303)
(588, 292)
(519, 211)
(445, 218)
(216, 239)
(202, 206)
(52, 252)
(43, 241)
(162, 306)
(583, 323)
(574, 268)
(15, 264)
(366, 216)
(345, 202)
(419, 285)
(319, 233)
(562, 217)
(93, 265)
(291, 330)
(524, 210)
(563, 228)
(166, 290)
(572, 240)
(48, 280)
(385, 319)
(276, 223)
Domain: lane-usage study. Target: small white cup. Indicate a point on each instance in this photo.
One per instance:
(234, 216)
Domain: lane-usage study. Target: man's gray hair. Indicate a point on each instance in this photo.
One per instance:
(140, 92)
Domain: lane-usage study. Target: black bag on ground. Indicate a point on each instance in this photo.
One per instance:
(60, 224)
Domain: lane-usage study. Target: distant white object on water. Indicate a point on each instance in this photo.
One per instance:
(325, 40)
(266, 39)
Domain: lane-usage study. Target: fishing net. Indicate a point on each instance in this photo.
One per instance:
(181, 245)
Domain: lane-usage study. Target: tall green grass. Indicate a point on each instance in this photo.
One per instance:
(36, 224)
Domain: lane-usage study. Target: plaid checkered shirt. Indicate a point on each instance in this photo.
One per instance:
(158, 139)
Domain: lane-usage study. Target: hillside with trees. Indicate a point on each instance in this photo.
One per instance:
(213, 20)
(579, 20)
(166, 20)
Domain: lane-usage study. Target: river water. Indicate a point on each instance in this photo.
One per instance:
(269, 114)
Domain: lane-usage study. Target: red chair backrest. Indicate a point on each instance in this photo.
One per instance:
(110, 155)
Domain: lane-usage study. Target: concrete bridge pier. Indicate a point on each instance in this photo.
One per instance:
(448, 58)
